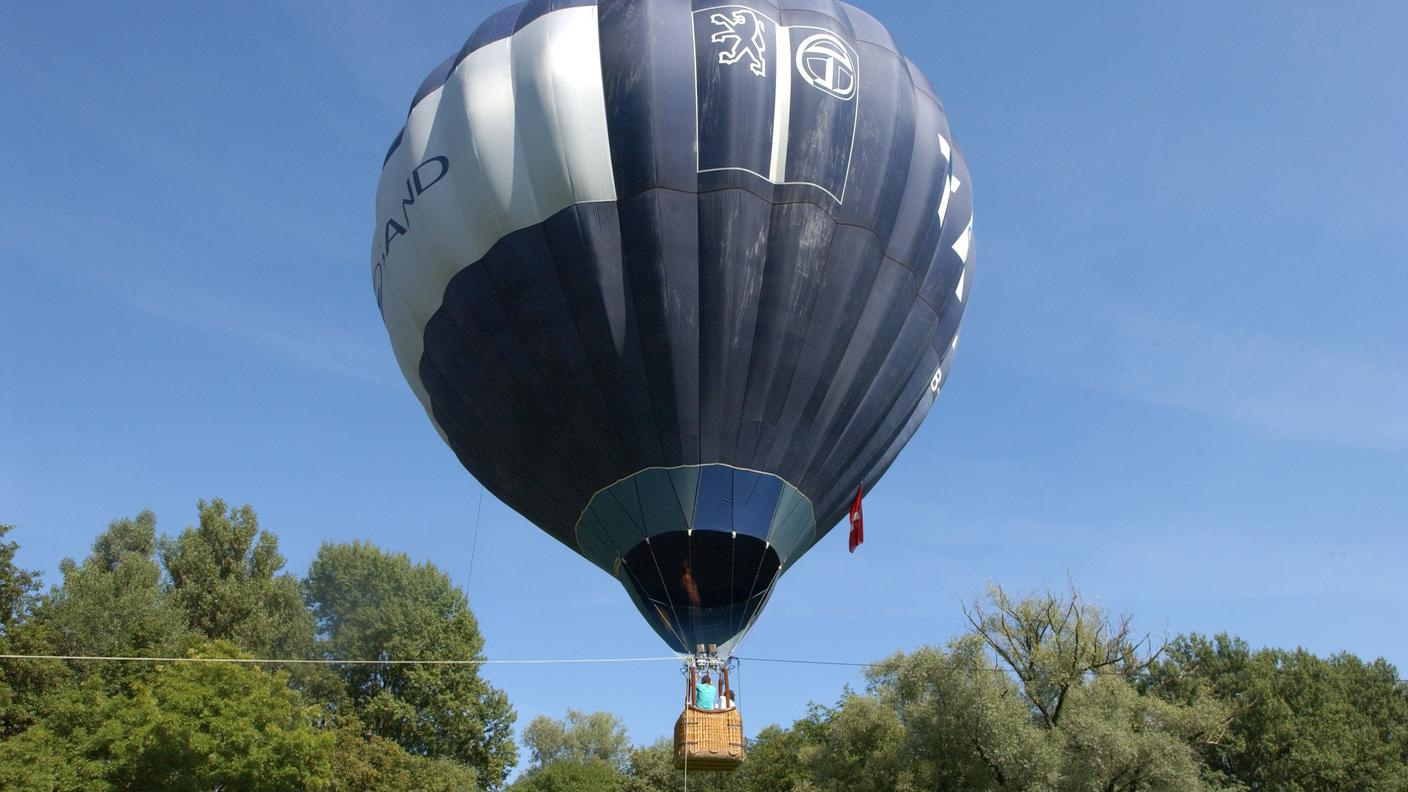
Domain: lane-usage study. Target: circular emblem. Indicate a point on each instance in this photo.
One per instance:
(826, 63)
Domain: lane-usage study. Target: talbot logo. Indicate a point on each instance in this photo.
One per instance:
(825, 62)
(745, 30)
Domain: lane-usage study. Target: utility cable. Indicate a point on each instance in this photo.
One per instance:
(335, 661)
(806, 662)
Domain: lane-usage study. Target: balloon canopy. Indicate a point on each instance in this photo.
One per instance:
(672, 280)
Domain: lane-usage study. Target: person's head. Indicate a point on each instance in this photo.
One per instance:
(705, 680)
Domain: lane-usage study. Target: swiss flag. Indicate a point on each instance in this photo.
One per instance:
(857, 523)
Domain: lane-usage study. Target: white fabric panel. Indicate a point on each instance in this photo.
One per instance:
(960, 245)
(398, 284)
(782, 108)
(522, 124)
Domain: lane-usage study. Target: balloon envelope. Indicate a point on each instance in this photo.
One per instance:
(673, 279)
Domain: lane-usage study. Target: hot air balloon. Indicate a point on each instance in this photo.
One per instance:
(673, 280)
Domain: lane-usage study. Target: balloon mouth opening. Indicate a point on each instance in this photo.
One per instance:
(702, 586)
(697, 547)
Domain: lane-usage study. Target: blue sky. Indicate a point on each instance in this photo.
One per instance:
(1183, 381)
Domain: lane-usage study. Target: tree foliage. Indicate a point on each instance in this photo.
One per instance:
(571, 775)
(1041, 692)
(22, 682)
(372, 604)
(1299, 721)
(190, 727)
(363, 761)
(114, 602)
(579, 737)
(226, 579)
(81, 725)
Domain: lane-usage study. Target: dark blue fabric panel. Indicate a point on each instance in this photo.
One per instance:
(917, 214)
(883, 443)
(922, 84)
(888, 305)
(791, 283)
(476, 442)
(660, 252)
(542, 331)
(586, 244)
(828, 8)
(884, 143)
(732, 257)
(857, 425)
(647, 58)
(849, 274)
(432, 82)
(866, 28)
(480, 401)
(739, 501)
(754, 501)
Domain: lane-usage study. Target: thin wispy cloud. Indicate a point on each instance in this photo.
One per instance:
(1282, 387)
(137, 271)
(303, 343)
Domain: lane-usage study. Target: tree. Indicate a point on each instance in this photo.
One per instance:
(191, 727)
(17, 586)
(364, 762)
(114, 603)
(857, 746)
(21, 681)
(225, 577)
(372, 604)
(774, 763)
(965, 724)
(580, 737)
(1037, 695)
(592, 775)
(1299, 721)
(651, 768)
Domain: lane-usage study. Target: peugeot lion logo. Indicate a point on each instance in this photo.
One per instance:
(824, 61)
(745, 30)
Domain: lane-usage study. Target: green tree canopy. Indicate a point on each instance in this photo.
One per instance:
(364, 762)
(579, 737)
(189, 728)
(115, 603)
(373, 604)
(592, 775)
(18, 587)
(1299, 721)
(1038, 694)
(226, 579)
(21, 681)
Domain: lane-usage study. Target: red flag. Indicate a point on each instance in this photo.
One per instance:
(857, 523)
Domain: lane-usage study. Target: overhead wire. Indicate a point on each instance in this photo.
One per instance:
(448, 661)
(340, 661)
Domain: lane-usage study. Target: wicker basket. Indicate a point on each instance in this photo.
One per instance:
(709, 740)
